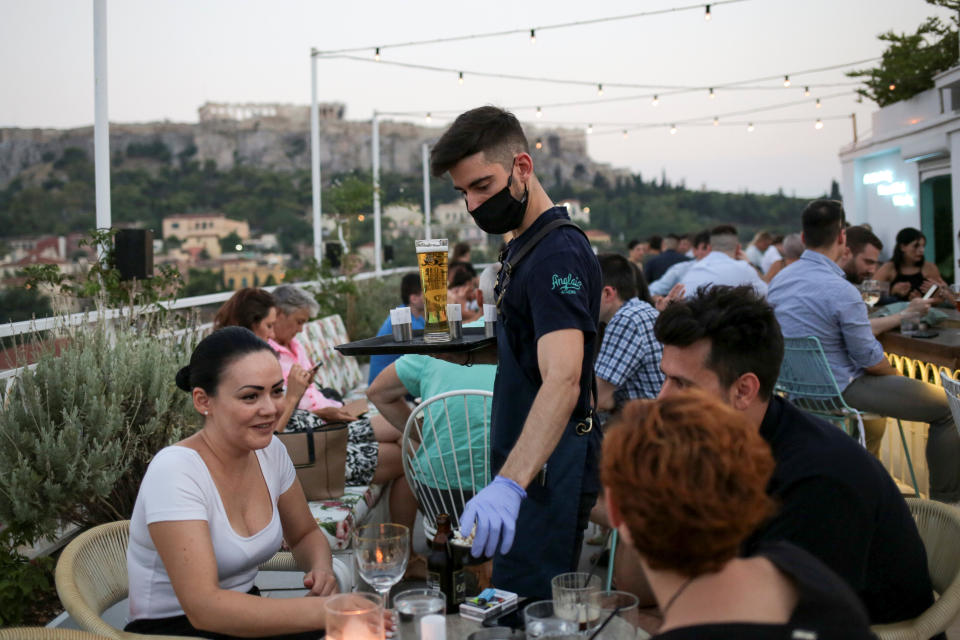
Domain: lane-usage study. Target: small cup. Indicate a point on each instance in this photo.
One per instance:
(490, 320)
(571, 596)
(909, 323)
(400, 324)
(621, 608)
(541, 620)
(455, 320)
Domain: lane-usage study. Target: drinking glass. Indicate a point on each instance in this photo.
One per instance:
(955, 290)
(622, 609)
(414, 604)
(870, 292)
(354, 616)
(571, 595)
(432, 260)
(382, 551)
(909, 323)
(541, 621)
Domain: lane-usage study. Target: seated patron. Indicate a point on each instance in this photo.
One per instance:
(411, 294)
(658, 265)
(215, 505)
(908, 273)
(684, 481)
(835, 500)
(723, 266)
(673, 275)
(812, 298)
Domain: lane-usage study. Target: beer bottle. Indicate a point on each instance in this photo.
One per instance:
(444, 566)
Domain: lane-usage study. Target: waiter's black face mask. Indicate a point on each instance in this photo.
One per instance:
(501, 212)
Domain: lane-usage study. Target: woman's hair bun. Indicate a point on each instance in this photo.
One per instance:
(183, 379)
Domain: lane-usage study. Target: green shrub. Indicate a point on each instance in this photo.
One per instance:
(21, 579)
(79, 429)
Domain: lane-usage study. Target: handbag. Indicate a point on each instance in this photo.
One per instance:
(319, 456)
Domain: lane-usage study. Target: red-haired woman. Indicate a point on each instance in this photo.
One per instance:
(685, 483)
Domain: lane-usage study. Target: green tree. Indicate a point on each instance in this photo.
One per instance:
(230, 242)
(202, 281)
(22, 303)
(911, 61)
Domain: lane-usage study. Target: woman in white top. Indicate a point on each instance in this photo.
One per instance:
(214, 506)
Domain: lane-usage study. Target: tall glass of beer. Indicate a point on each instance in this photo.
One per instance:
(432, 259)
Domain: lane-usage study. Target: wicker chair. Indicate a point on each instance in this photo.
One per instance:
(939, 526)
(45, 633)
(91, 576)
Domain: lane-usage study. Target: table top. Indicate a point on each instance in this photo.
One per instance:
(459, 628)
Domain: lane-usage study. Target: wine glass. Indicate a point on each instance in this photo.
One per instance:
(870, 292)
(382, 552)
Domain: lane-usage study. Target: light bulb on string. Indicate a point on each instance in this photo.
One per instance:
(818, 105)
(589, 128)
(533, 36)
(716, 121)
(376, 54)
(539, 144)
(673, 129)
(750, 128)
(624, 134)
(429, 118)
(706, 14)
(655, 101)
(786, 81)
(712, 94)
(460, 78)
(539, 112)
(819, 124)
(892, 86)
(600, 89)
(806, 92)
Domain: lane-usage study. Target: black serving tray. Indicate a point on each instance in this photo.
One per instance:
(472, 340)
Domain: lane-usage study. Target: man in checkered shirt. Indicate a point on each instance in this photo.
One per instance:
(628, 365)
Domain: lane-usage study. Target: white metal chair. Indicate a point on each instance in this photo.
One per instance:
(807, 381)
(453, 428)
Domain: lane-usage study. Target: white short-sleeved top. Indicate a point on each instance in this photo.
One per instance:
(178, 486)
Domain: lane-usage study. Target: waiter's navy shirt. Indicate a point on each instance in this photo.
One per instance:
(840, 504)
(555, 286)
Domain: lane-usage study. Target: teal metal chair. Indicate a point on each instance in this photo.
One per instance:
(807, 381)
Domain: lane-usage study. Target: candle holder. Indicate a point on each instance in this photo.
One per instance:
(354, 616)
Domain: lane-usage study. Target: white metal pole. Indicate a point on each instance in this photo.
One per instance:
(101, 125)
(426, 190)
(377, 241)
(315, 159)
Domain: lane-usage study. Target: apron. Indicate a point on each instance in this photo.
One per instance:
(546, 537)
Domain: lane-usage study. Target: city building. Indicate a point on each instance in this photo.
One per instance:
(244, 272)
(198, 231)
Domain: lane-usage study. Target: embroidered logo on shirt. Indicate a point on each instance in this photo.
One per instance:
(567, 284)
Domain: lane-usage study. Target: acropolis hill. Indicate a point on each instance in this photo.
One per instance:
(277, 136)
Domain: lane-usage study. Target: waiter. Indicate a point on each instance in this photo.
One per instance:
(544, 444)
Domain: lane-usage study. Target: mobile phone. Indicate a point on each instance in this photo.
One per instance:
(933, 289)
(315, 367)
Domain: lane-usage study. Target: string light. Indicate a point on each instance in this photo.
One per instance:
(655, 101)
(806, 92)
(539, 112)
(376, 55)
(716, 122)
(460, 78)
(818, 103)
(750, 128)
(892, 87)
(819, 124)
(706, 15)
(428, 117)
(589, 128)
(539, 144)
(533, 36)
(673, 129)
(600, 89)
(712, 94)
(786, 81)
(624, 134)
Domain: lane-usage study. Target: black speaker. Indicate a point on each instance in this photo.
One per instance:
(333, 251)
(388, 253)
(133, 253)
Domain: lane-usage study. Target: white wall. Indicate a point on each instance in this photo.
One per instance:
(884, 216)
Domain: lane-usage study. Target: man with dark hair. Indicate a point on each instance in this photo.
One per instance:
(669, 256)
(812, 298)
(836, 501)
(673, 275)
(723, 265)
(411, 294)
(544, 446)
(654, 245)
(628, 365)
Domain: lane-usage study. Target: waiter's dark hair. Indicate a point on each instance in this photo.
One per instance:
(618, 272)
(743, 332)
(214, 354)
(822, 222)
(495, 132)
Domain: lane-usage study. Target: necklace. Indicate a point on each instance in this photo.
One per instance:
(676, 594)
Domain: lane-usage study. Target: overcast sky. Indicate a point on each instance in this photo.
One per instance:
(168, 57)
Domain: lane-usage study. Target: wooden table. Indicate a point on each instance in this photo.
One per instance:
(942, 351)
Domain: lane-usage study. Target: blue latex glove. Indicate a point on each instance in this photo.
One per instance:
(495, 511)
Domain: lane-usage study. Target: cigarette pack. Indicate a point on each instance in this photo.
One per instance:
(489, 604)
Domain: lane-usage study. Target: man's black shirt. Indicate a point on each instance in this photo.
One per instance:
(840, 504)
(658, 265)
